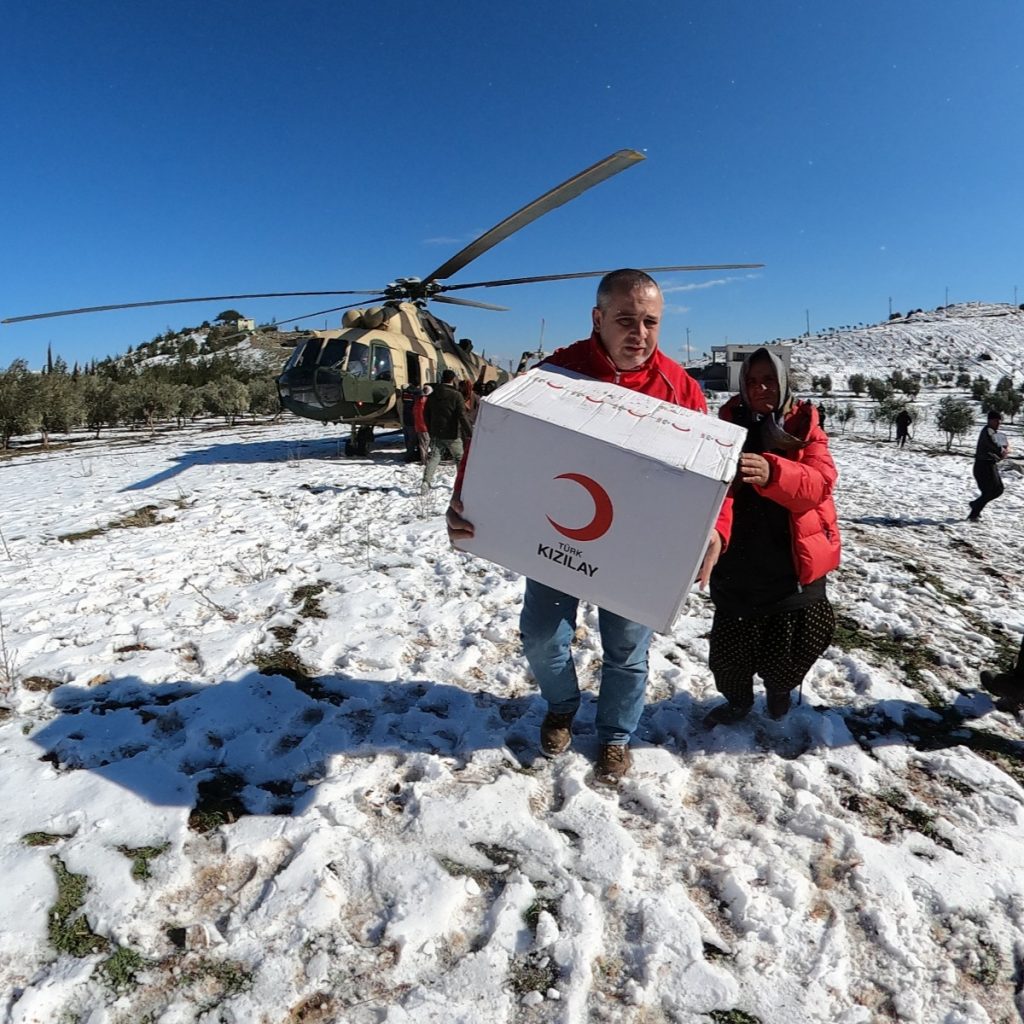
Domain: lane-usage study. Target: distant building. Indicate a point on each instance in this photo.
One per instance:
(732, 360)
(243, 323)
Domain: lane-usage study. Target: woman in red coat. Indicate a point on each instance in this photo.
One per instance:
(772, 614)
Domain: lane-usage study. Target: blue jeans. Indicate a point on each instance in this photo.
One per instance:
(547, 625)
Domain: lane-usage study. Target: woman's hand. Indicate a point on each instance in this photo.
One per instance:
(754, 469)
(458, 528)
(710, 558)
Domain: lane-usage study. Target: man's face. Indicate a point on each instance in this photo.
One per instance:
(762, 386)
(628, 325)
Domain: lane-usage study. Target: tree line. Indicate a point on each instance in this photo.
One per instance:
(893, 395)
(122, 393)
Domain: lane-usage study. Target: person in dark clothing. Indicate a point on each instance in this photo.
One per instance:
(822, 415)
(1007, 686)
(903, 421)
(447, 424)
(772, 614)
(991, 450)
(410, 396)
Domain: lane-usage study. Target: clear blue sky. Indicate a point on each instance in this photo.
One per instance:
(862, 151)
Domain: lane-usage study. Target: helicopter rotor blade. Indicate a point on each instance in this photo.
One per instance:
(556, 197)
(590, 273)
(173, 302)
(467, 302)
(324, 312)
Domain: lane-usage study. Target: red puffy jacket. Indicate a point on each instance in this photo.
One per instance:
(801, 481)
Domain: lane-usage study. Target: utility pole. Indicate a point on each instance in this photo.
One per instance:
(807, 313)
(688, 332)
(890, 307)
(947, 294)
(1015, 295)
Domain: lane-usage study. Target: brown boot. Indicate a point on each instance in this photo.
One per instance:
(613, 763)
(556, 732)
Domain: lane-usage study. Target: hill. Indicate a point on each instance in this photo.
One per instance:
(982, 339)
(260, 351)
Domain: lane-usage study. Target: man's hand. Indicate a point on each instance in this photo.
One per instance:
(458, 528)
(710, 558)
(754, 469)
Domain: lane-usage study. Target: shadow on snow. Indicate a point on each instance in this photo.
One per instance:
(261, 744)
(391, 450)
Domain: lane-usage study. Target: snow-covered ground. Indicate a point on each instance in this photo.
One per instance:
(270, 757)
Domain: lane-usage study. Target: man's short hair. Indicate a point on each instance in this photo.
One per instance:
(624, 280)
(447, 376)
(994, 414)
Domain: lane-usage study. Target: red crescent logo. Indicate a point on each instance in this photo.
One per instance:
(602, 521)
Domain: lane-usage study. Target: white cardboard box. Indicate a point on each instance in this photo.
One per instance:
(597, 491)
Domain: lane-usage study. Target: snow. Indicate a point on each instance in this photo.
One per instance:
(285, 682)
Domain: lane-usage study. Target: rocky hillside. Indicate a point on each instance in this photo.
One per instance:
(982, 339)
(257, 351)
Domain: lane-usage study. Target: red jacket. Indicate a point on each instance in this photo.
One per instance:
(659, 377)
(801, 482)
(419, 421)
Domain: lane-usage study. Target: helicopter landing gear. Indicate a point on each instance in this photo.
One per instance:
(361, 441)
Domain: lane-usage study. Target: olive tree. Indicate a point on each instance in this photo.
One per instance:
(149, 398)
(886, 412)
(263, 397)
(226, 397)
(101, 400)
(1006, 403)
(60, 402)
(954, 418)
(847, 413)
(980, 388)
(19, 402)
(879, 390)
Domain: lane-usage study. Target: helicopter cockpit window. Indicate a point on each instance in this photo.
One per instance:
(334, 352)
(358, 359)
(382, 363)
(304, 354)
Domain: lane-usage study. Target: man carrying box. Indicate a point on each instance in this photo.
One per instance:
(623, 349)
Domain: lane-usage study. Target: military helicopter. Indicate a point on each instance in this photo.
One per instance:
(359, 374)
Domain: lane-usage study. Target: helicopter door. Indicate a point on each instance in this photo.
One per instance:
(412, 369)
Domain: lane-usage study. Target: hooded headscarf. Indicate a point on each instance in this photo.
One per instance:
(773, 436)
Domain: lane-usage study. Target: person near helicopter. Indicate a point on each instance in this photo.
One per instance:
(447, 424)
(419, 422)
(622, 349)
